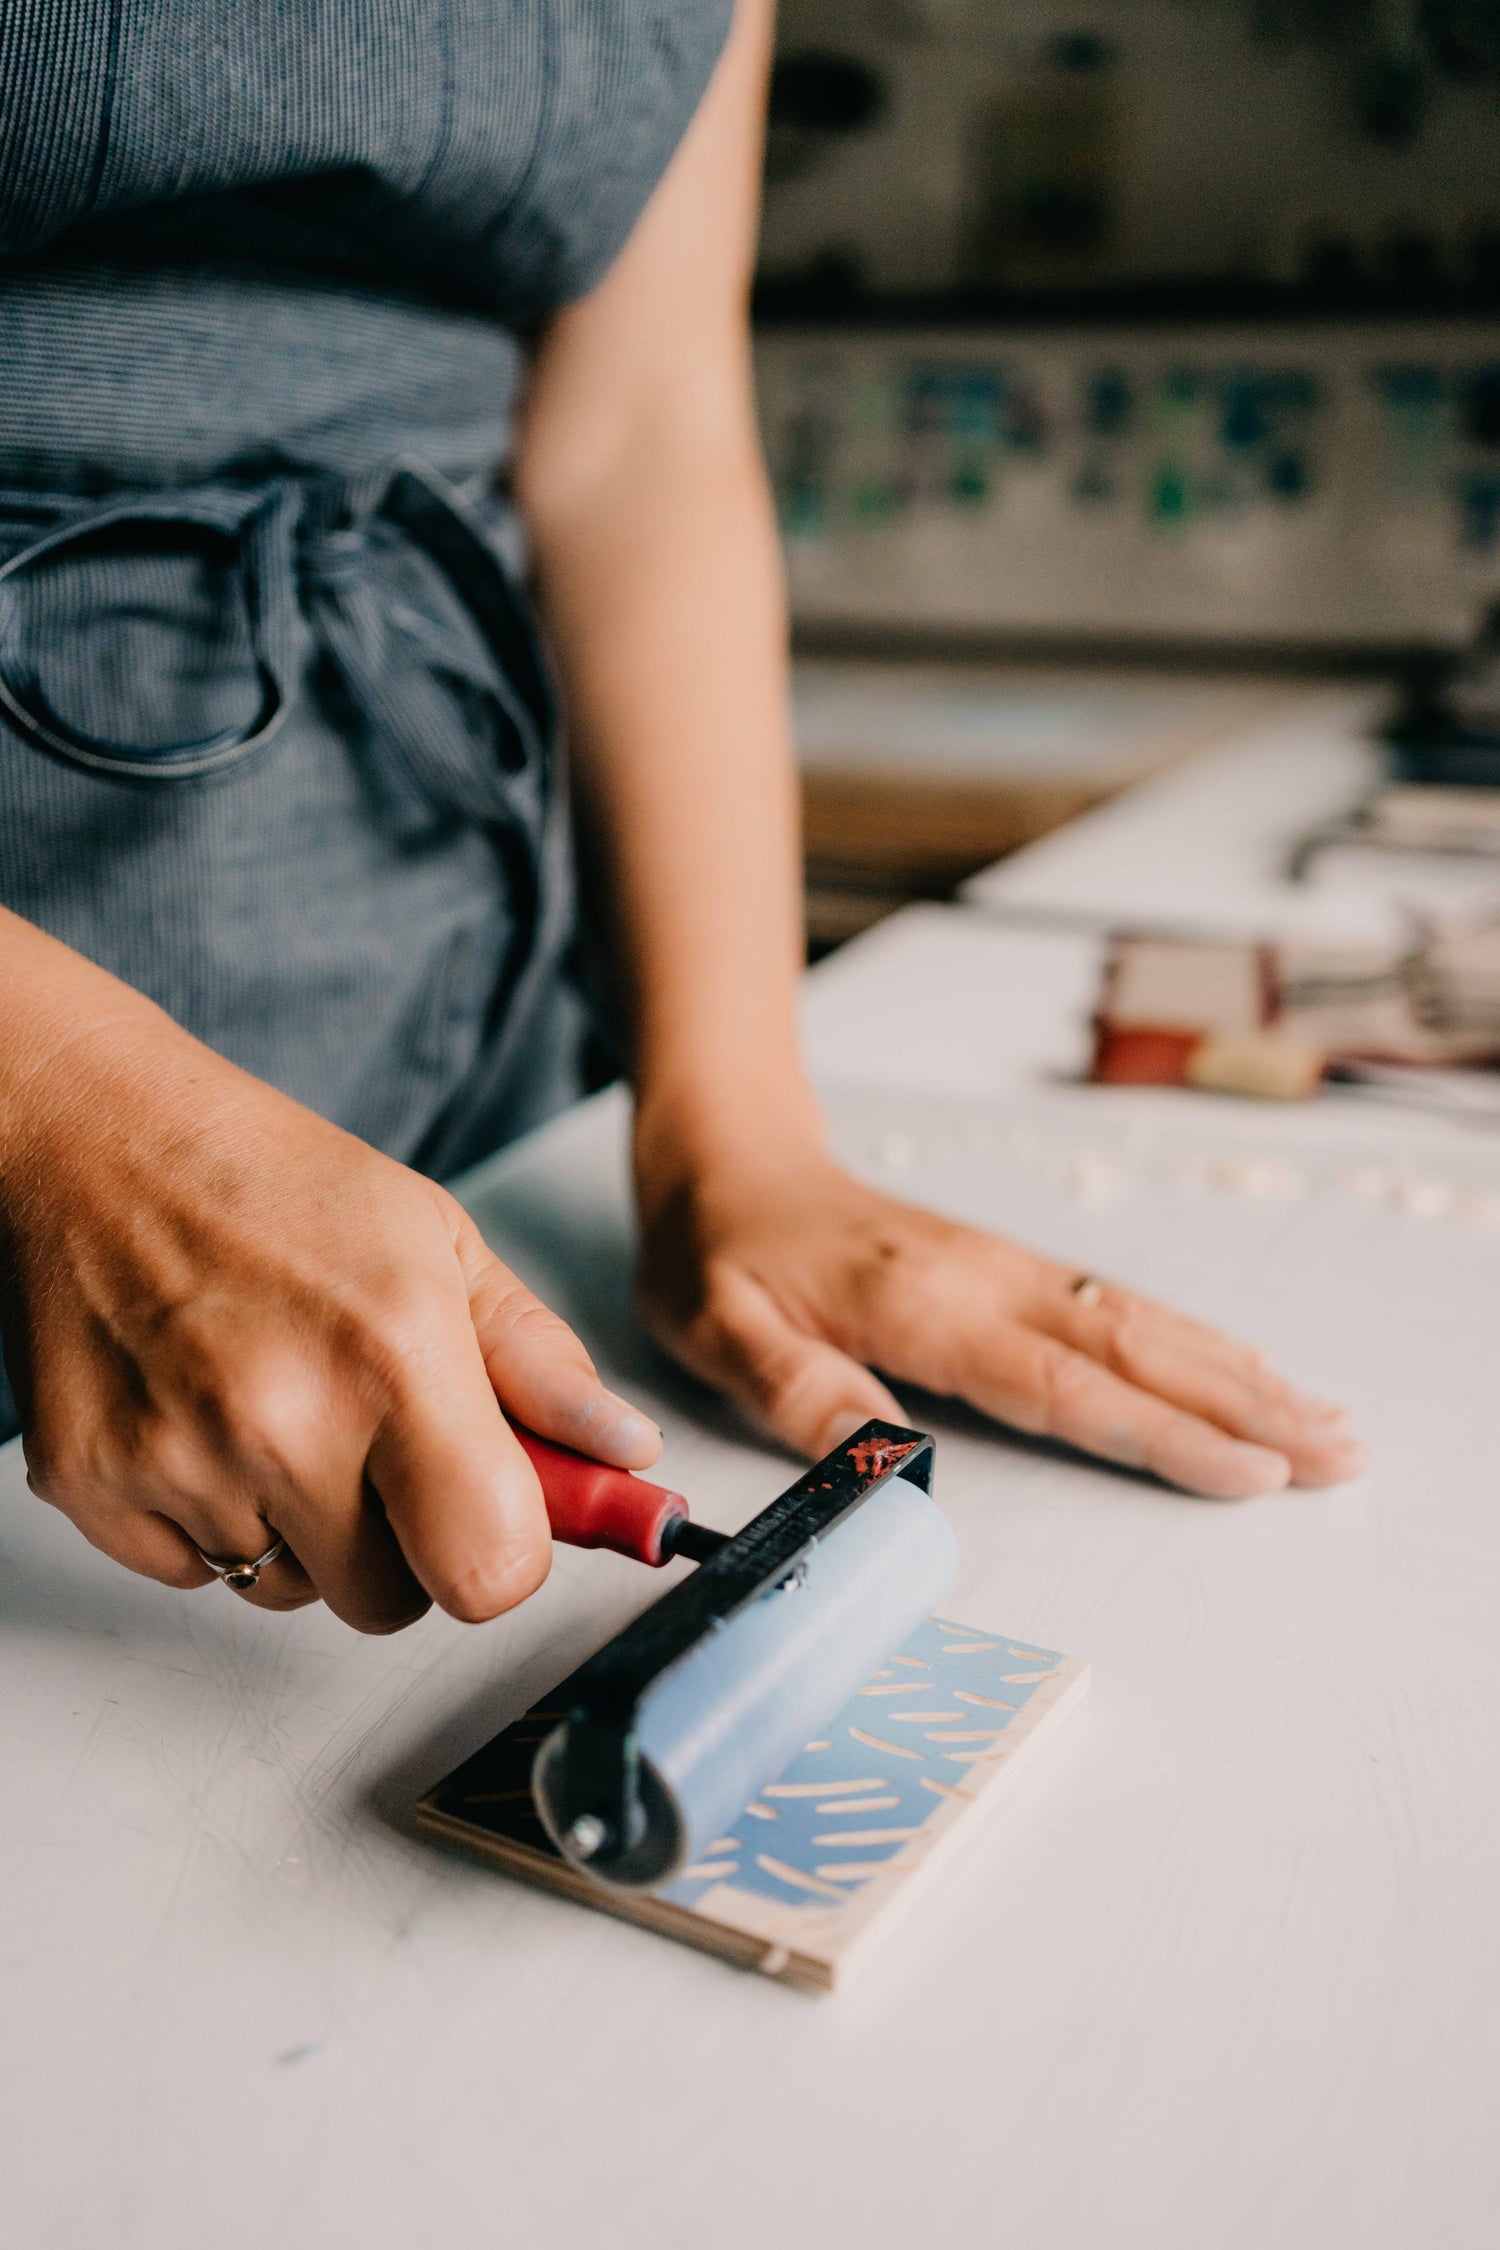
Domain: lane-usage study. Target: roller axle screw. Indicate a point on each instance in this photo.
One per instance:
(588, 1835)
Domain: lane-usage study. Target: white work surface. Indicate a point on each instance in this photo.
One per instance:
(1221, 1973)
(1205, 847)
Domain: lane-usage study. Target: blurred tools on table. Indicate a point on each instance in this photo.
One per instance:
(1447, 728)
(1277, 1020)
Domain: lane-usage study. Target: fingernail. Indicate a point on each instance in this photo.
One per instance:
(635, 1430)
(1298, 1423)
(631, 1427)
(1264, 1471)
(837, 1429)
(1339, 1463)
(609, 1420)
(1321, 1409)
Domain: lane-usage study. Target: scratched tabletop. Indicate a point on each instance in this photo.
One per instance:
(1223, 1973)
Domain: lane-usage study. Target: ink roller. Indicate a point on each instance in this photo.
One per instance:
(672, 1728)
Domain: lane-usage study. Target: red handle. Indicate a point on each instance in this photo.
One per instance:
(590, 1504)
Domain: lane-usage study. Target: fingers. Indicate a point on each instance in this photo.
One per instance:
(386, 1465)
(149, 1545)
(268, 1329)
(1043, 1387)
(438, 1504)
(1208, 1376)
(1210, 1422)
(459, 1494)
(277, 1461)
(804, 1391)
(1173, 1396)
(539, 1370)
(155, 1545)
(812, 1395)
(340, 1548)
(288, 1465)
(392, 1474)
(285, 1585)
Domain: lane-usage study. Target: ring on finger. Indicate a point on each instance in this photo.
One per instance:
(242, 1576)
(1087, 1288)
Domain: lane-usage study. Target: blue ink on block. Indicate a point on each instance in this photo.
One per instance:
(802, 1883)
(896, 1753)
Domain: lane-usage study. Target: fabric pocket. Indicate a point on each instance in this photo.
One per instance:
(152, 638)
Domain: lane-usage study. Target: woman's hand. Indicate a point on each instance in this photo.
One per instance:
(785, 1282)
(226, 1320)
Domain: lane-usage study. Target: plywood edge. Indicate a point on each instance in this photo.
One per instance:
(743, 1948)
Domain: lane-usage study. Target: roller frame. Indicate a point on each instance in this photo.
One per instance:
(605, 1693)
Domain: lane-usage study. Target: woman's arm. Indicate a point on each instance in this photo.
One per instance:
(641, 480)
(765, 1268)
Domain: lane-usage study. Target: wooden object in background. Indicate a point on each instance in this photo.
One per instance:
(916, 774)
(931, 829)
(817, 1866)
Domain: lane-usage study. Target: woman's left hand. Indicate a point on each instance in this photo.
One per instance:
(783, 1284)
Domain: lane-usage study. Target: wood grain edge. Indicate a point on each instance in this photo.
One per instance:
(744, 1949)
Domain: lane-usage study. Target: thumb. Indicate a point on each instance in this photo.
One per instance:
(459, 1493)
(804, 1391)
(540, 1371)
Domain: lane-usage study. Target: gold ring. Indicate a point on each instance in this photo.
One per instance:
(1087, 1288)
(243, 1575)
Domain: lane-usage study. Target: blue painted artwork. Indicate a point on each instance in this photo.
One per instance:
(900, 1749)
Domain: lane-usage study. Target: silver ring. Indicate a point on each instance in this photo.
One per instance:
(1087, 1288)
(243, 1575)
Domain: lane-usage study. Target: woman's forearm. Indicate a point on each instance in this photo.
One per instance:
(641, 480)
(667, 614)
(55, 1005)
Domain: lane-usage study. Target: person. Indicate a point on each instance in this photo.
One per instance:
(288, 933)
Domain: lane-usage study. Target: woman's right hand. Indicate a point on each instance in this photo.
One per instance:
(227, 1321)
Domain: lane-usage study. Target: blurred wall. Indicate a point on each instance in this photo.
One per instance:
(1027, 143)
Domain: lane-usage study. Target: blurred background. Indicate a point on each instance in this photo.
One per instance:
(1126, 371)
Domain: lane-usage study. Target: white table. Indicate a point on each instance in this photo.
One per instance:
(1205, 847)
(1223, 1972)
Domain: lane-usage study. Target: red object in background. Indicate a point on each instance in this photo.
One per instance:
(1143, 1056)
(590, 1504)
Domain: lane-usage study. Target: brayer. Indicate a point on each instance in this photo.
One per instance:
(671, 1729)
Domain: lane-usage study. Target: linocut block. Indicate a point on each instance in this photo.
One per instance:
(817, 1866)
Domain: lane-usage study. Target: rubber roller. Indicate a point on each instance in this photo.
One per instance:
(673, 1727)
